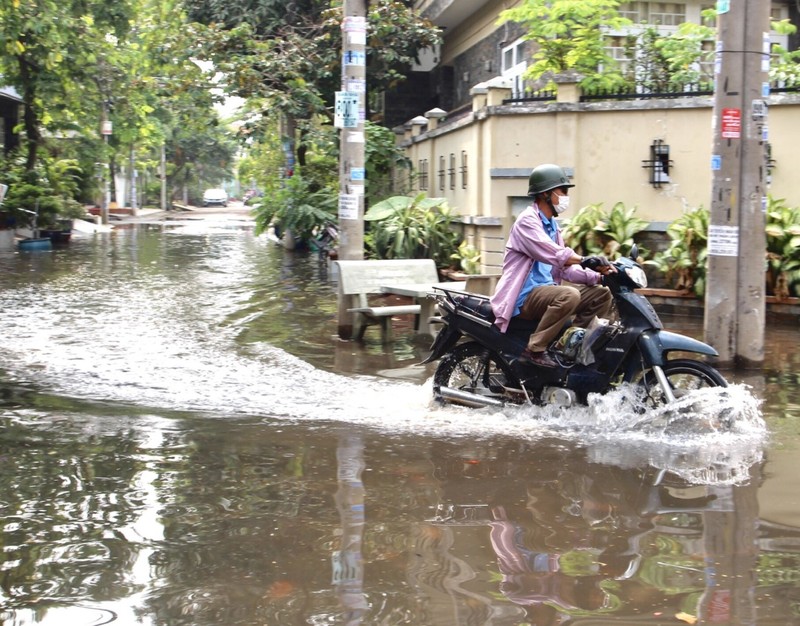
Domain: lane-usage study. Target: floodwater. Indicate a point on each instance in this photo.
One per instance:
(185, 442)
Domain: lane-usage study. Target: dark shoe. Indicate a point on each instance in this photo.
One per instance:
(539, 359)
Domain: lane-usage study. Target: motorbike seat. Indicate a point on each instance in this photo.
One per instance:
(517, 324)
(482, 308)
(476, 306)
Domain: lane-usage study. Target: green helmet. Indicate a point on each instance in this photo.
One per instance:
(546, 177)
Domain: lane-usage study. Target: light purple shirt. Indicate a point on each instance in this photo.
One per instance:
(529, 242)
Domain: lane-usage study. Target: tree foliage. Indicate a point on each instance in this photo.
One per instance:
(51, 52)
(131, 62)
(785, 65)
(289, 54)
(570, 37)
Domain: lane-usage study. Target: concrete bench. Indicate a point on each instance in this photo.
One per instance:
(360, 279)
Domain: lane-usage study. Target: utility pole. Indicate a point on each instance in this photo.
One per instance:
(349, 117)
(735, 287)
(132, 190)
(106, 128)
(163, 176)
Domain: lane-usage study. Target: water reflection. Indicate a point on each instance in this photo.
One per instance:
(348, 564)
(184, 442)
(575, 539)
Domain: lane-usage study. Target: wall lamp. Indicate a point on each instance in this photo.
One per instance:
(659, 163)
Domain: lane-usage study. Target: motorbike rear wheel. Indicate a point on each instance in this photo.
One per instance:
(474, 368)
(684, 376)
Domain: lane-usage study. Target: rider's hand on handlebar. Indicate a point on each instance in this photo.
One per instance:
(599, 264)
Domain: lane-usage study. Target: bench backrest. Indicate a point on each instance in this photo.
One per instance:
(360, 277)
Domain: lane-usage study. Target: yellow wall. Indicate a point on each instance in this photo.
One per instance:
(605, 143)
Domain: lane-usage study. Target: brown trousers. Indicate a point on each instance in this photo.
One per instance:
(555, 304)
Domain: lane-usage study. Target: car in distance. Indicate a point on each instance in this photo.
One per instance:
(215, 196)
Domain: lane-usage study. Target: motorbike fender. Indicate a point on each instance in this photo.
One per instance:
(446, 338)
(655, 344)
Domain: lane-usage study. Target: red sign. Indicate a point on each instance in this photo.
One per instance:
(731, 123)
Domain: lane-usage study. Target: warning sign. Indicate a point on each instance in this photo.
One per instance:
(731, 123)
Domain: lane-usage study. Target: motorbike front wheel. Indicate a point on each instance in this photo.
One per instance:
(475, 369)
(684, 376)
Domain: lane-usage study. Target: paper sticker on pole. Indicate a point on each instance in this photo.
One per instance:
(356, 58)
(348, 206)
(731, 123)
(723, 240)
(346, 114)
(356, 29)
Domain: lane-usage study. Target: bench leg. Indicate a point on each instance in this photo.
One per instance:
(386, 329)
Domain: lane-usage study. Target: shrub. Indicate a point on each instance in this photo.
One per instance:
(468, 258)
(402, 227)
(783, 249)
(49, 190)
(593, 231)
(300, 206)
(683, 263)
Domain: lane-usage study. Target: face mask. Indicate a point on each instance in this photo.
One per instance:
(563, 205)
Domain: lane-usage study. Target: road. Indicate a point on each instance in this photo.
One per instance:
(234, 211)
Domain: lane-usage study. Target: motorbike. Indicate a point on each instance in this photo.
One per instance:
(478, 364)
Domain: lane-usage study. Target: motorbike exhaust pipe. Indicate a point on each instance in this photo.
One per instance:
(469, 399)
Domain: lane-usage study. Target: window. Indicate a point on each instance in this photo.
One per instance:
(423, 174)
(463, 169)
(621, 50)
(634, 11)
(442, 173)
(667, 13)
(451, 172)
(656, 13)
(514, 63)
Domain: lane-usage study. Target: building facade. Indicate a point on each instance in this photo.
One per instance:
(479, 149)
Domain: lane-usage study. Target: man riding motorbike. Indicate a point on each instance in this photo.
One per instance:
(536, 263)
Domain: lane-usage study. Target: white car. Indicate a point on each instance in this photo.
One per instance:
(215, 196)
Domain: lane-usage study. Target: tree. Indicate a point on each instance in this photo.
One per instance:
(51, 48)
(288, 55)
(785, 66)
(168, 100)
(570, 37)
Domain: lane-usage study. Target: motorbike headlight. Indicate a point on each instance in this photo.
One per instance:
(637, 275)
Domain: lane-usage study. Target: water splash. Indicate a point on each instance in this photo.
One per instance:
(156, 334)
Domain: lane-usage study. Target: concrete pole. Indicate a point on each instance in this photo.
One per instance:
(163, 176)
(106, 130)
(735, 286)
(350, 116)
(348, 561)
(132, 191)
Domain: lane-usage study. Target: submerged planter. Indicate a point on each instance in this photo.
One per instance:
(56, 236)
(35, 243)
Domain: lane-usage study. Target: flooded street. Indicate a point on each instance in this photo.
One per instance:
(185, 442)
